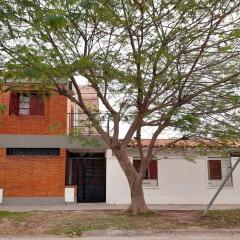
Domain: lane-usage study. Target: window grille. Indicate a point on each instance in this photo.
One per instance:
(33, 151)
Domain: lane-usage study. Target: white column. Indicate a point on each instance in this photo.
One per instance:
(117, 188)
(69, 194)
(1, 195)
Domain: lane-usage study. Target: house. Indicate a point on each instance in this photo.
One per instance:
(41, 164)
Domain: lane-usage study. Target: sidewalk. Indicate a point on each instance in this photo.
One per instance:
(104, 206)
(175, 235)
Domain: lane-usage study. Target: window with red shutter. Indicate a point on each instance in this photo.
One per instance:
(151, 172)
(25, 104)
(153, 169)
(14, 103)
(36, 105)
(137, 165)
(214, 169)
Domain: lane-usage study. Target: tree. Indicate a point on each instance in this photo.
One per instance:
(160, 64)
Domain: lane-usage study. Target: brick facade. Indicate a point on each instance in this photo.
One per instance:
(53, 122)
(32, 176)
(37, 176)
(2, 155)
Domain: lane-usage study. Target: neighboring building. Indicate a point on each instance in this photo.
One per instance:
(40, 164)
(179, 175)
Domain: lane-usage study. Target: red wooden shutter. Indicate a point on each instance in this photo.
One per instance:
(36, 105)
(215, 169)
(14, 103)
(153, 169)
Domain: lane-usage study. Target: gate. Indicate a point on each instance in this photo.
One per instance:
(91, 178)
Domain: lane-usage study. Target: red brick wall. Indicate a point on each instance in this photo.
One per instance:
(53, 122)
(2, 161)
(33, 176)
(2, 155)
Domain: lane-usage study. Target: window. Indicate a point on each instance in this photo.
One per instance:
(218, 169)
(215, 169)
(151, 172)
(33, 151)
(23, 104)
(151, 175)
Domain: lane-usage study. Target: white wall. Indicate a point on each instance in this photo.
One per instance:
(117, 189)
(69, 194)
(67, 115)
(1, 195)
(179, 181)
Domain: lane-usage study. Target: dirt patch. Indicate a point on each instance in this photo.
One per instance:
(74, 223)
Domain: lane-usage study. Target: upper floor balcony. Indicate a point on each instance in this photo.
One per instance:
(79, 124)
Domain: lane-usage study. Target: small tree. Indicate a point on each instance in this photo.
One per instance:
(159, 64)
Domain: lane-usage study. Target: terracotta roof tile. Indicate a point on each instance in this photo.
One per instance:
(188, 143)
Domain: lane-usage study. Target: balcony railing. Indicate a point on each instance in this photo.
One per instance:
(78, 123)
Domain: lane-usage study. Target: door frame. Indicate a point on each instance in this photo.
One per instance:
(84, 157)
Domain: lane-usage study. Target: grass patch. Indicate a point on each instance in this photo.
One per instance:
(17, 216)
(222, 219)
(114, 220)
(9, 221)
(74, 223)
(78, 231)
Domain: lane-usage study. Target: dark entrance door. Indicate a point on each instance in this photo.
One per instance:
(91, 177)
(92, 180)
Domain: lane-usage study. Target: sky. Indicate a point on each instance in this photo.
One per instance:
(146, 132)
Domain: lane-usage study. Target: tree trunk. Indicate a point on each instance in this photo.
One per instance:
(138, 204)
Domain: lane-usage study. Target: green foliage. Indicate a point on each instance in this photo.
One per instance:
(56, 21)
(188, 122)
(189, 158)
(78, 231)
(27, 3)
(177, 63)
(83, 63)
(54, 127)
(235, 99)
(15, 216)
(226, 48)
(85, 4)
(3, 108)
(77, 136)
(235, 33)
(91, 142)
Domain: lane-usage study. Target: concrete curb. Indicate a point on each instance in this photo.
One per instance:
(189, 234)
(105, 207)
(156, 233)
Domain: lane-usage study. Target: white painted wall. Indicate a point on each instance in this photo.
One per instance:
(69, 194)
(179, 181)
(117, 190)
(67, 115)
(1, 195)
